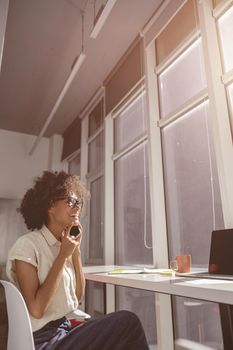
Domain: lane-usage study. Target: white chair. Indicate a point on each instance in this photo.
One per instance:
(19, 325)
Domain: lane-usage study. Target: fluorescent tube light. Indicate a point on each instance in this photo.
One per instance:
(4, 5)
(68, 82)
(102, 18)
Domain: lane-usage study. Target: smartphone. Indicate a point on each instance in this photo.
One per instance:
(75, 231)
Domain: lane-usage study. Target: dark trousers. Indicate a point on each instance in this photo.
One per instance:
(120, 330)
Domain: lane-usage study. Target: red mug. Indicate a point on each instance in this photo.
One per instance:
(182, 263)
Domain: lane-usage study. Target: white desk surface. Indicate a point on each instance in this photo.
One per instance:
(220, 291)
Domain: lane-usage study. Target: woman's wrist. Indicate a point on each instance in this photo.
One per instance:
(77, 251)
(61, 258)
(76, 257)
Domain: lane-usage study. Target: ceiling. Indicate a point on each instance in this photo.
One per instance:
(41, 42)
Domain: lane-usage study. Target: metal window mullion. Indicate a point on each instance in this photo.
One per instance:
(164, 320)
(94, 136)
(83, 171)
(227, 78)
(129, 97)
(122, 108)
(221, 8)
(73, 155)
(186, 107)
(183, 46)
(130, 147)
(91, 177)
(109, 237)
(218, 108)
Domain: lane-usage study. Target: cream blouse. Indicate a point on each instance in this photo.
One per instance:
(40, 248)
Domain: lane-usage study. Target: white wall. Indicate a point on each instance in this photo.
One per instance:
(55, 154)
(11, 227)
(17, 171)
(17, 168)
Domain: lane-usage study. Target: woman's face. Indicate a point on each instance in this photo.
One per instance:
(65, 211)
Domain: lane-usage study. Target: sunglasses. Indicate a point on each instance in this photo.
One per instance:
(73, 202)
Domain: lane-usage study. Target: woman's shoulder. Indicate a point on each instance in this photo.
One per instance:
(28, 238)
(25, 249)
(32, 234)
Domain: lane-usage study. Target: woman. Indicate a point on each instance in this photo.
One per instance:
(46, 266)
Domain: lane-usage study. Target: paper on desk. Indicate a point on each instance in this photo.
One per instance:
(137, 271)
(207, 281)
(125, 271)
(160, 271)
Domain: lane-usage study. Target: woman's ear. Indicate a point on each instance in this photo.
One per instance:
(51, 206)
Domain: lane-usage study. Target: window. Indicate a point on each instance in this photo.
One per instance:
(231, 95)
(192, 195)
(96, 220)
(134, 115)
(182, 80)
(225, 24)
(198, 321)
(96, 118)
(95, 299)
(132, 215)
(95, 292)
(95, 178)
(133, 236)
(96, 154)
(142, 303)
(132, 199)
(225, 27)
(74, 164)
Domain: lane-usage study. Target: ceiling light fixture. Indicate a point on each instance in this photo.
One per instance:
(101, 17)
(74, 69)
(4, 5)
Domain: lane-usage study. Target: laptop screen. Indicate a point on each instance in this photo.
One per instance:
(221, 252)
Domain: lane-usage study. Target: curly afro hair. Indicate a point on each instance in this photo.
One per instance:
(46, 190)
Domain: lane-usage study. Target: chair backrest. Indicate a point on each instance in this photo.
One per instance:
(19, 325)
(3, 319)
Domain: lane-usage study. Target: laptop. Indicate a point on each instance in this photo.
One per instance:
(221, 257)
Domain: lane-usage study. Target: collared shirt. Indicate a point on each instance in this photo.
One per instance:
(40, 248)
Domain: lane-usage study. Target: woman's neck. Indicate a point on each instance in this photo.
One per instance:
(55, 229)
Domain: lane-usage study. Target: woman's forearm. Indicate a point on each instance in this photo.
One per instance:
(80, 279)
(38, 297)
(49, 286)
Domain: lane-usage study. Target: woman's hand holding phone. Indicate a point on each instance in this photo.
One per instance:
(75, 231)
(76, 234)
